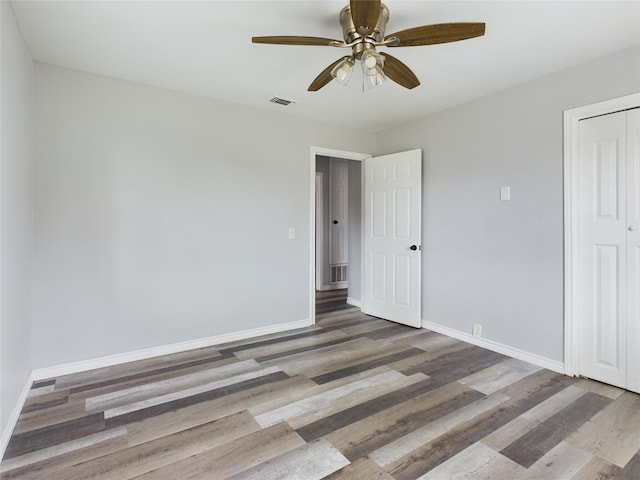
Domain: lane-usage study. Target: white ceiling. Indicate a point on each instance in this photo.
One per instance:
(204, 47)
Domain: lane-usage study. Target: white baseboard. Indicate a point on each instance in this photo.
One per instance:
(110, 360)
(497, 347)
(354, 302)
(15, 414)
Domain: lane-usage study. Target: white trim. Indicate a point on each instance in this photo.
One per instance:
(326, 152)
(572, 297)
(497, 347)
(119, 358)
(319, 213)
(15, 415)
(354, 302)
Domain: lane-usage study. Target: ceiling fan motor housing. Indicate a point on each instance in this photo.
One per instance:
(351, 33)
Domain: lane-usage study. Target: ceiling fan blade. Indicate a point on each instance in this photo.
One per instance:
(365, 14)
(294, 40)
(399, 72)
(438, 33)
(324, 77)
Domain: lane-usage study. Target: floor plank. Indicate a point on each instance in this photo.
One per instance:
(381, 429)
(613, 434)
(232, 457)
(361, 468)
(509, 433)
(312, 461)
(477, 462)
(530, 447)
(562, 461)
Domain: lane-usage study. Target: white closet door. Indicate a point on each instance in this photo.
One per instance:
(608, 255)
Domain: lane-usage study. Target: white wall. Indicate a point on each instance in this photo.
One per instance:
(497, 263)
(16, 214)
(163, 217)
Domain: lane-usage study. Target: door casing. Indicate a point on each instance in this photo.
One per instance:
(319, 211)
(572, 297)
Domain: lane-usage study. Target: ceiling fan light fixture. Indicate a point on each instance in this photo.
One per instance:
(374, 80)
(372, 62)
(372, 65)
(343, 70)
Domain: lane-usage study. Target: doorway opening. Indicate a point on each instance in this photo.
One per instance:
(336, 229)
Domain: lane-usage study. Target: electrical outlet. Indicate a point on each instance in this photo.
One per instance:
(477, 330)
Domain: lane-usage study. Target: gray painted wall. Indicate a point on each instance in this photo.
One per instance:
(16, 213)
(163, 217)
(497, 263)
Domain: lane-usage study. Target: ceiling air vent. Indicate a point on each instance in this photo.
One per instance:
(281, 101)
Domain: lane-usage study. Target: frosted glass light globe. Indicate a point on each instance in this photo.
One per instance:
(370, 61)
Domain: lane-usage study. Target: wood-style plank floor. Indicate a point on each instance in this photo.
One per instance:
(331, 300)
(352, 397)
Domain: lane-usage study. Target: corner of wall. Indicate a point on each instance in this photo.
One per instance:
(16, 219)
(12, 421)
(512, 352)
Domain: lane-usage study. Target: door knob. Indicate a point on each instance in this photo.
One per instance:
(413, 247)
(631, 228)
(335, 222)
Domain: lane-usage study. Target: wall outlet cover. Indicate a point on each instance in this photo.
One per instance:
(477, 330)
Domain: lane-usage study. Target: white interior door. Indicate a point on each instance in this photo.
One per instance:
(392, 195)
(608, 250)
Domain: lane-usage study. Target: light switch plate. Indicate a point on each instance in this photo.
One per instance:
(292, 233)
(505, 193)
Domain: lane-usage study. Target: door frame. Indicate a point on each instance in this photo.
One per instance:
(327, 152)
(572, 294)
(319, 231)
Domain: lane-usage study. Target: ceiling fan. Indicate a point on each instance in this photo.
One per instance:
(363, 24)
